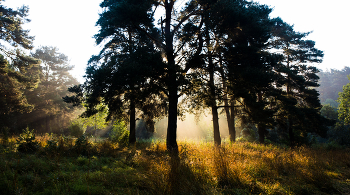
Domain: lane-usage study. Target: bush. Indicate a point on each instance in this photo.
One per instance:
(4, 145)
(119, 133)
(82, 146)
(76, 130)
(26, 141)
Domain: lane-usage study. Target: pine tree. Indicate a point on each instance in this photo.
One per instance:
(299, 104)
(127, 71)
(51, 113)
(17, 70)
(344, 104)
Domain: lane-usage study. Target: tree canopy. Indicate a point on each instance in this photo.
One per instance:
(18, 71)
(218, 54)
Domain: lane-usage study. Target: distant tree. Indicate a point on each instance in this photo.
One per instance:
(329, 112)
(331, 83)
(51, 113)
(344, 104)
(331, 102)
(17, 70)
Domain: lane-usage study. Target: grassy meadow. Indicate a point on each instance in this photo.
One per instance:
(61, 165)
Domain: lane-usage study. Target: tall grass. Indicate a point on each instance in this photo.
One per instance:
(62, 166)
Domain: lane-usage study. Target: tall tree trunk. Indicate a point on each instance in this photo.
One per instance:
(230, 117)
(172, 81)
(214, 108)
(261, 132)
(232, 124)
(172, 122)
(217, 137)
(261, 127)
(132, 136)
(132, 114)
(290, 132)
(289, 119)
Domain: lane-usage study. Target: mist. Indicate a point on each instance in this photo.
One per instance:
(193, 128)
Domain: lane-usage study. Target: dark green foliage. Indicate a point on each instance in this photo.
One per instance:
(82, 146)
(26, 142)
(11, 27)
(329, 112)
(76, 130)
(227, 53)
(17, 70)
(4, 133)
(125, 76)
(298, 104)
(339, 135)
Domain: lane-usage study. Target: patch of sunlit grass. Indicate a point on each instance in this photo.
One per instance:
(200, 168)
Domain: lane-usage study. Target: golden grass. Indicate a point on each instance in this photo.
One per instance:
(201, 168)
(252, 168)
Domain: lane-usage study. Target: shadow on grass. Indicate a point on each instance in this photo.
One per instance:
(182, 179)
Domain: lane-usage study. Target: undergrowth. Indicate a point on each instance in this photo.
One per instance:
(63, 165)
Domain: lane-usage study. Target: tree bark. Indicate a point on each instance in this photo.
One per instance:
(261, 128)
(261, 132)
(132, 136)
(290, 132)
(230, 117)
(289, 120)
(172, 81)
(232, 124)
(214, 109)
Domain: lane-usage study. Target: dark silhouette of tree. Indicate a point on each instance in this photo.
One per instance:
(216, 52)
(120, 22)
(246, 66)
(344, 104)
(128, 70)
(223, 32)
(299, 104)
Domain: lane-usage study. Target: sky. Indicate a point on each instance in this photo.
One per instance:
(69, 25)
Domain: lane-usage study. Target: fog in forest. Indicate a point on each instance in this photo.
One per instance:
(191, 127)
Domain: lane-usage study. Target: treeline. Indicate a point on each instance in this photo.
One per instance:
(227, 56)
(335, 96)
(32, 83)
(331, 83)
(161, 59)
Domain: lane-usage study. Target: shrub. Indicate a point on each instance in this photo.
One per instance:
(5, 136)
(76, 130)
(82, 145)
(26, 141)
(119, 133)
(4, 144)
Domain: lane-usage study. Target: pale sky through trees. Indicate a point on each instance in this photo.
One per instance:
(69, 25)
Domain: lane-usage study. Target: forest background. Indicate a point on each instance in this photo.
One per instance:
(40, 106)
(259, 117)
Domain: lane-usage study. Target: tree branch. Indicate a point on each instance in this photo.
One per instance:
(156, 41)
